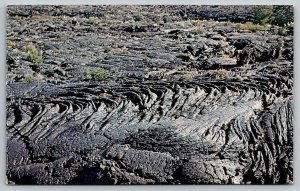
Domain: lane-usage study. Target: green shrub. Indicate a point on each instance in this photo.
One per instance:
(263, 14)
(284, 15)
(283, 32)
(32, 54)
(280, 15)
(99, 73)
(286, 30)
(26, 95)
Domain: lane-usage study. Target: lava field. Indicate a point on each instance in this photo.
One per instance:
(154, 94)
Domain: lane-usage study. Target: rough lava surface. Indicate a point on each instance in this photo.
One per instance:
(147, 95)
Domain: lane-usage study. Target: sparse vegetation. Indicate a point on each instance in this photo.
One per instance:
(286, 30)
(196, 22)
(104, 94)
(221, 73)
(234, 93)
(146, 58)
(109, 22)
(198, 31)
(176, 114)
(29, 78)
(109, 109)
(99, 73)
(11, 43)
(187, 75)
(26, 95)
(136, 88)
(124, 49)
(162, 69)
(260, 107)
(251, 26)
(92, 21)
(32, 54)
(283, 31)
(49, 17)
